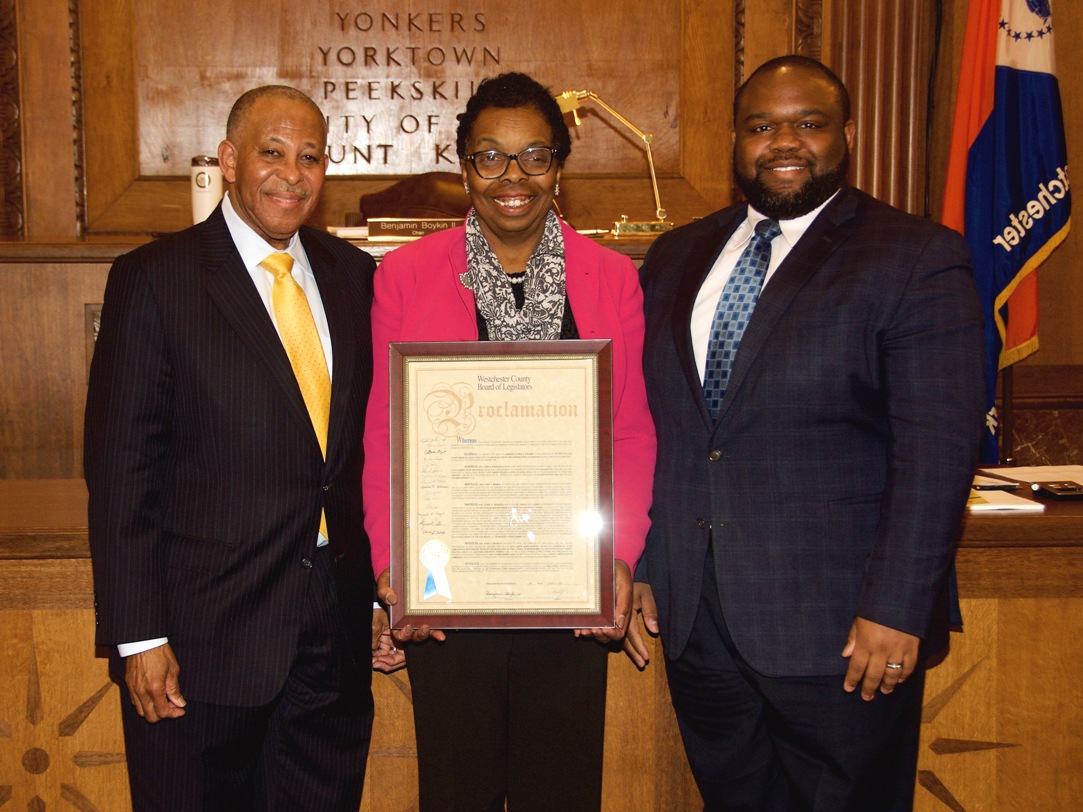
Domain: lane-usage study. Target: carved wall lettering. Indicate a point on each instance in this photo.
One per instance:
(392, 81)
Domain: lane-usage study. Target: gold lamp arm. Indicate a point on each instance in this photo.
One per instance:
(569, 101)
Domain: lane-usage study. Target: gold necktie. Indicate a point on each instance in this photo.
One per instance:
(302, 343)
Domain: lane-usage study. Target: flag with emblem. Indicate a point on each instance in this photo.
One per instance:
(1007, 183)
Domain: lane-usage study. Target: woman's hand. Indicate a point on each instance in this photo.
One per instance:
(407, 634)
(386, 656)
(622, 583)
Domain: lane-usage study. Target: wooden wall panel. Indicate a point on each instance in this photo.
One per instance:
(769, 30)
(997, 741)
(49, 153)
(43, 359)
(60, 714)
(109, 113)
(1039, 774)
(182, 88)
(146, 98)
(707, 79)
(437, 50)
(961, 704)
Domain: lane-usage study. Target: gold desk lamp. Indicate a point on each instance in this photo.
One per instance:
(569, 102)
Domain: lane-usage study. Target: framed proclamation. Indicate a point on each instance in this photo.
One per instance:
(502, 484)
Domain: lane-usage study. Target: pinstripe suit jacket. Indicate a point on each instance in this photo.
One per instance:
(206, 478)
(834, 479)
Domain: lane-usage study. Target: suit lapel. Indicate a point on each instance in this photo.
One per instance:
(341, 324)
(807, 257)
(231, 288)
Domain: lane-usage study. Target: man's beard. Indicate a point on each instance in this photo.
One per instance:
(788, 205)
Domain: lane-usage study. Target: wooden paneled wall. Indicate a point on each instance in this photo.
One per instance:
(69, 176)
(43, 365)
(75, 108)
(70, 156)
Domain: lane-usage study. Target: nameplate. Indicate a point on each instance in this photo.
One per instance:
(408, 228)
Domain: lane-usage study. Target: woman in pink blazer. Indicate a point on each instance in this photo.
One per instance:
(513, 717)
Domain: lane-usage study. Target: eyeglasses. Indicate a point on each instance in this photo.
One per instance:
(493, 163)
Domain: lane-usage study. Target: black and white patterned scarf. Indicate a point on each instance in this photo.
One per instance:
(544, 289)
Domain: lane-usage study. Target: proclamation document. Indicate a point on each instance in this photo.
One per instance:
(502, 484)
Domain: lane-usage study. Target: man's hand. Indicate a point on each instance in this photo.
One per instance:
(871, 648)
(622, 584)
(153, 679)
(642, 604)
(407, 634)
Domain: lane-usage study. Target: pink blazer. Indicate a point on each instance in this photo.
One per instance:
(418, 297)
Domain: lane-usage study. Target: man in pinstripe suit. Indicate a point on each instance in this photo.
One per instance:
(231, 567)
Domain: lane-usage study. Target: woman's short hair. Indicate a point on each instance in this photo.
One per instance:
(508, 91)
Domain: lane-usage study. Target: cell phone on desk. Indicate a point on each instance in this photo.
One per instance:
(1061, 489)
(995, 485)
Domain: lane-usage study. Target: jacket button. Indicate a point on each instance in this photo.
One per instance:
(702, 523)
(325, 488)
(715, 455)
(306, 563)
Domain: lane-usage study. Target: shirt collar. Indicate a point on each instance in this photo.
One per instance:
(792, 229)
(252, 247)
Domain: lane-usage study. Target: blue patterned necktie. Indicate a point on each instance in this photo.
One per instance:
(734, 310)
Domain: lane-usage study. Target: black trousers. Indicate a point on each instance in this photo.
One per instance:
(788, 743)
(306, 750)
(515, 715)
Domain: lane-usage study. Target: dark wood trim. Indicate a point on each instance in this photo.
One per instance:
(96, 250)
(808, 28)
(1048, 386)
(738, 44)
(78, 140)
(12, 221)
(46, 518)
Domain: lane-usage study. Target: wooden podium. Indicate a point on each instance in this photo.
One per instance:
(1000, 728)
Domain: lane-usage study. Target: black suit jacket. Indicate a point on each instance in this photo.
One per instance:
(206, 478)
(834, 480)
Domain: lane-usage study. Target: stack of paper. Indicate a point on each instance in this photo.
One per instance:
(982, 501)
